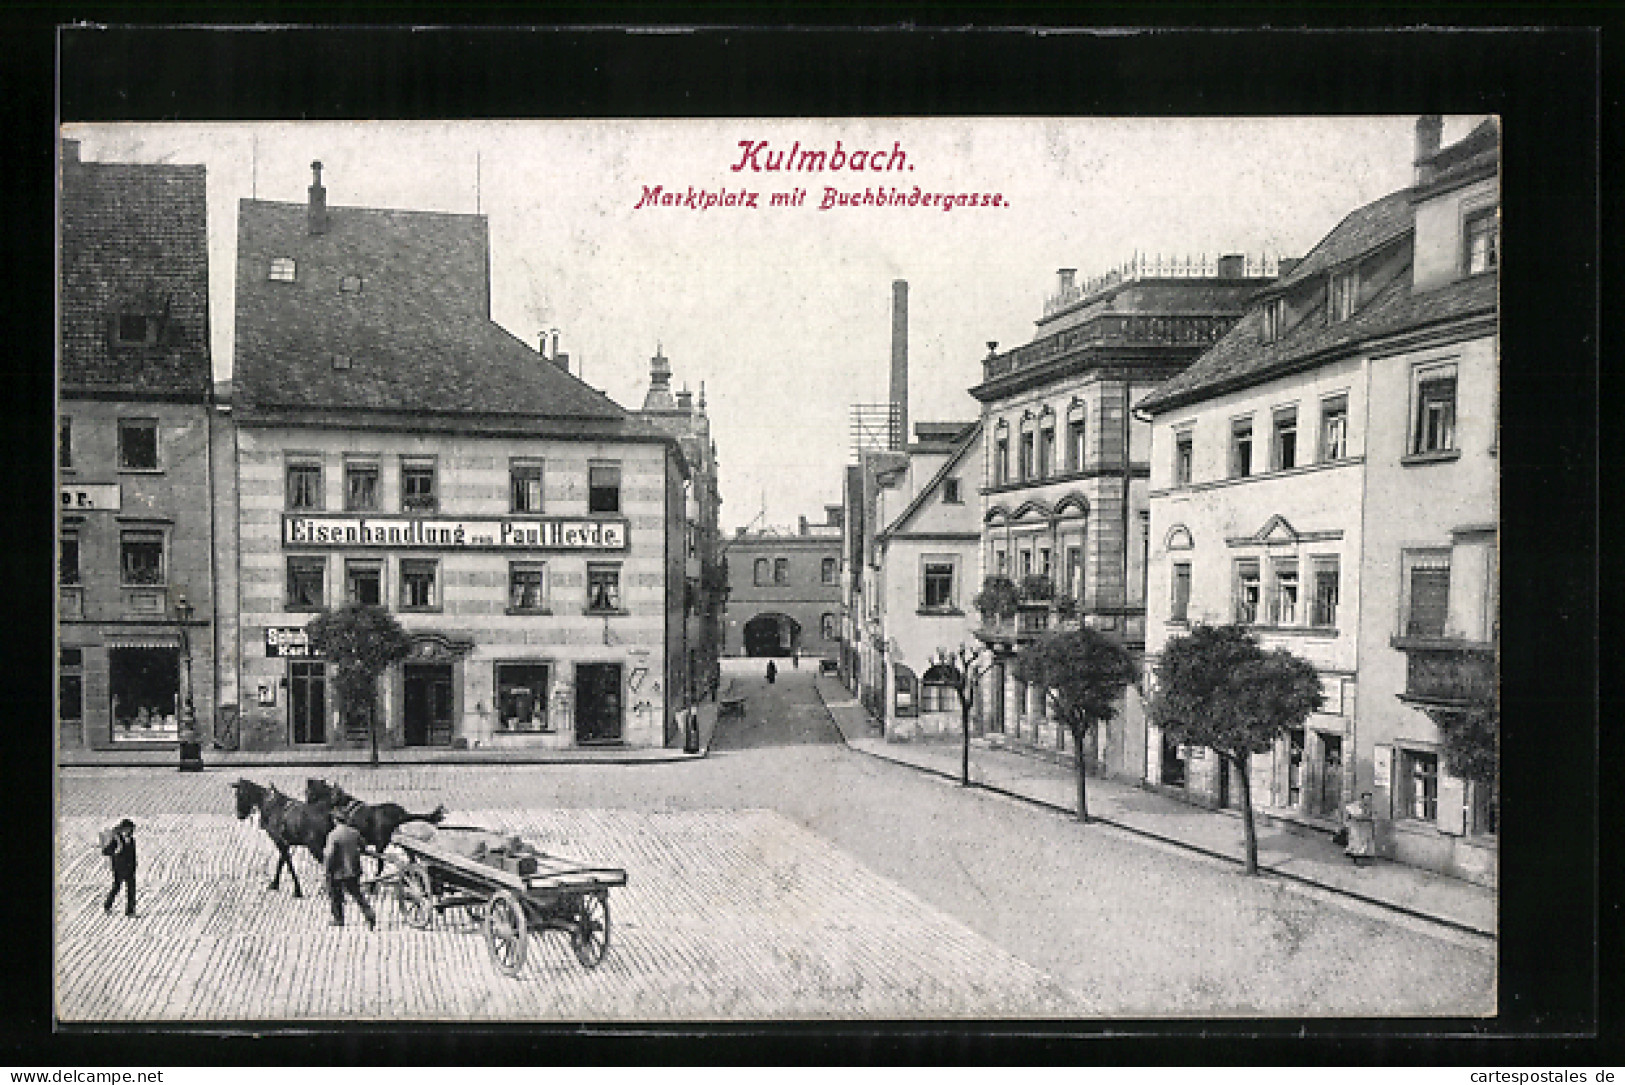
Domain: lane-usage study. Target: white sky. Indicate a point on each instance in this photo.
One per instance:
(785, 312)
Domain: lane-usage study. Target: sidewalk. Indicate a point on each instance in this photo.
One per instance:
(1301, 857)
(169, 757)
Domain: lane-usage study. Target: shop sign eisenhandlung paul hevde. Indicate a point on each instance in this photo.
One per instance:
(452, 533)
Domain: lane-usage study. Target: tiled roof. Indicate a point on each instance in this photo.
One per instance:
(411, 327)
(134, 240)
(1362, 230)
(1240, 359)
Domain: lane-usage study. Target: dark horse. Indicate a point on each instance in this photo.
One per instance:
(375, 822)
(288, 822)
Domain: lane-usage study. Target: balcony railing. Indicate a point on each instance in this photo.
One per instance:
(1145, 266)
(1113, 329)
(1448, 672)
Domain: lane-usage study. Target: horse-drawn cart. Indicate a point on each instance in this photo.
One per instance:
(515, 888)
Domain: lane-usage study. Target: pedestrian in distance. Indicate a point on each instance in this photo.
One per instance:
(343, 862)
(795, 659)
(118, 844)
(772, 672)
(1361, 824)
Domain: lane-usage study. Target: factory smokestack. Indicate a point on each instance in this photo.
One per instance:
(899, 365)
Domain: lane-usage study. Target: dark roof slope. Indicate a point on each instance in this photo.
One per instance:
(1362, 230)
(135, 241)
(1240, 359)
(412, 327)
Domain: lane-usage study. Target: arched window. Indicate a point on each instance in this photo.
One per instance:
(938, 690)
(761, 571)
(781, 570)
(827, 571)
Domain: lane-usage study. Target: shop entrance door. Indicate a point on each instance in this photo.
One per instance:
(426, 720)
(1330, 792)
(307, 701)
(598, 702)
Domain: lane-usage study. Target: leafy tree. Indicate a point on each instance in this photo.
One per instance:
(1217, 687)
(967, 665)
(1083, 674)
(997, 600)
(1470, 743)
(361, 641)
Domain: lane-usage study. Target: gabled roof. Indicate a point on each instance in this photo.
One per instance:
(134, 240)
(968, 437)
(1361, 231)
(415, 336)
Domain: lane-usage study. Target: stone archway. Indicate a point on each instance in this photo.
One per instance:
(772, 634)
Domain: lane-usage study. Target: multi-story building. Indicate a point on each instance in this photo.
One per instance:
(397, 447)
(136, 544)
(784, 589)
(917, 576)
(1065, 466)
(1326, 474)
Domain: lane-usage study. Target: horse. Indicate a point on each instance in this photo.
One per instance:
(288, 822)
(376, 822)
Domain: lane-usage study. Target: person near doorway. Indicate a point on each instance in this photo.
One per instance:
(343, 862)
(772, 672)
(1361, 823)
(118, 844)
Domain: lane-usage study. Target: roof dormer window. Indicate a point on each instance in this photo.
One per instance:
(1341, 294)
(350, 284)
(135, 329)
(1274, 319)
(282, 269)
(1482, 239)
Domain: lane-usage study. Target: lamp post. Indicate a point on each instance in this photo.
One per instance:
(191, 747)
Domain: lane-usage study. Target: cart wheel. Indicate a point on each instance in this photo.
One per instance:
(590, 939)
(415, 898)
(505, 932)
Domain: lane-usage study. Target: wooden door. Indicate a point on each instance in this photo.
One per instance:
(598, 702)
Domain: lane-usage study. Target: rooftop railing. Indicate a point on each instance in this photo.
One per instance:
(1146, 266)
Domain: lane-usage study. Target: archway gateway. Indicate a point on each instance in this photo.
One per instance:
(772, 634)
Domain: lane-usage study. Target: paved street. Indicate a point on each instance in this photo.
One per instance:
(782, 876)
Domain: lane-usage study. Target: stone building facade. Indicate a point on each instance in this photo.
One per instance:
(136, 617)
(396, 447)
(784, 590)
(1065, 468)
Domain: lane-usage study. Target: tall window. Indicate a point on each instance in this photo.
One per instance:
(1241, 447)
(282, 269)
(950, 492)
(70, 684)
(1180, 604)
(138, 444)
(364, 581)
(1001, 461)
(1435, 422)
(304, 490)
(604, 487)
(781, 570)
(1294, 767)
(525, 485)
(1074, 572)
(1334, 428)
(419, 584)
(1274, 319)
(67, 564)
(1076, 449)
(1482, 235)
(141, 557)
(1284, 593)
(419, 492)
(826, 571)
(937, 591)
(1247, 591)
(1419, 784)
(1427, 592)
(1324, 612)
(527, 585)
(361, 485)
(1001, 562)
(64, 444)
(1285, 444)
(826, 626)
(1183, 457)
(604, 588)
(1046, 451)
(306, 582)
(1028, 466)
(1343, 291)
(763, 572)
(1026, 563)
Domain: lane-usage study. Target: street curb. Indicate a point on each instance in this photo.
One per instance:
(464, 761)
(1376, 902)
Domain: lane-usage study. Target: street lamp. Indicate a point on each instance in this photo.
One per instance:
(191, 747)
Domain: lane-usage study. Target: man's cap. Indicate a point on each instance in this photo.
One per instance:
(126, 824)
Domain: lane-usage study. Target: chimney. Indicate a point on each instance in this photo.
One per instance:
(685, 401)
(1286, 264)
(899, 364)
(702, 397)
(1067, 277)
(1429, 134)
(992, 347)
(801, 525)
(561, 360)
(542, 349)
(555, 343)
(318, 201)
(1233, 266)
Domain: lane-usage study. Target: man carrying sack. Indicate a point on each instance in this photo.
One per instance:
(343, 862)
